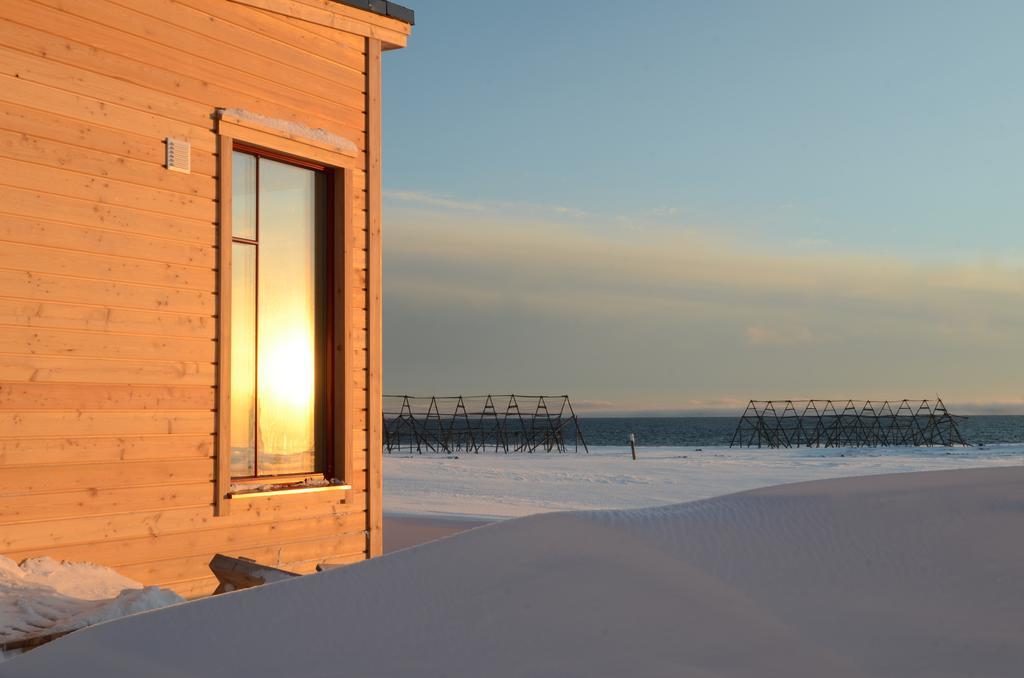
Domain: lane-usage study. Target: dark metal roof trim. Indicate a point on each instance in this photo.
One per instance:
(384, 8)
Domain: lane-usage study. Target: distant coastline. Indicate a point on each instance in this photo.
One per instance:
(966, 409)
(717, 430)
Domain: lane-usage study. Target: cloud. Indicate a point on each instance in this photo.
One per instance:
(445, 202)
(652, 317)
(555, 265)
(431, 200)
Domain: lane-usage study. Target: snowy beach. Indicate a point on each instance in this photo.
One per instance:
(493, 486)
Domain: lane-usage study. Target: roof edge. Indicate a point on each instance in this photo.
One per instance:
(383, 8)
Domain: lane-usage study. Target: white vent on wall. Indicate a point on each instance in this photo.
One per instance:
(179, 155)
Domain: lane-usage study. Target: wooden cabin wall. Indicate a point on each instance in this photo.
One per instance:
(108, 281)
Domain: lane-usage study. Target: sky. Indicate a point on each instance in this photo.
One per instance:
(677, 206)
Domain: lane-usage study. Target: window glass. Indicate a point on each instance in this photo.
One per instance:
(287, 327)
(243, 359)
(243, 195)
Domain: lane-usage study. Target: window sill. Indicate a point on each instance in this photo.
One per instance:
(284, 489)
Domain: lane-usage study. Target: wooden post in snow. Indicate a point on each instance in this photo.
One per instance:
(632, 445)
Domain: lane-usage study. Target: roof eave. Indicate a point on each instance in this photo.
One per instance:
(383, 8)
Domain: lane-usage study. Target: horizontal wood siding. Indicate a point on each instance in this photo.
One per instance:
(108, 281)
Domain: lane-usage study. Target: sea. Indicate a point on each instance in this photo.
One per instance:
(981, 430)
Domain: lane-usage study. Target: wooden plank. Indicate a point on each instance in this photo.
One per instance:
(359, 200)
(358, 377)
(35, 451)
(359, 253)
(25, 284)
(92, 107)
(98, 501)
(77, 369)
(374, 481)
(49, 478)
(359, 235)
(65, 262)
(47, 317)
(103, 319)
(110, 90)
(352, 43)
(51, 342)
(293, 507)
(146, 536)
(267, 43)
(28, 424)
(59, 127)
(357, 338)
(20, 145)
(129, 32)
(319, 552)
(32, 177)
(94, 240)
(280, 36)
(357, 497)
(346, 43)
(326, 546)
(120, 552)
(359, 334)
(42, 396)
(38, 205)
(286, 522)
(334, 547)
(222, 504)
(186, 86)
(339, 17)
(360, 297)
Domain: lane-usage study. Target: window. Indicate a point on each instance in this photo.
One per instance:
(279, 319)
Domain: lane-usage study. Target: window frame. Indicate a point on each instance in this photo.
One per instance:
(340, 401)
(322, 371)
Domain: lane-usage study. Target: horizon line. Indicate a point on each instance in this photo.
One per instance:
(964, 409)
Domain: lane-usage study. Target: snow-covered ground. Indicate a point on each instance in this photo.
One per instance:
(914, 574)
(894, 575)
(45, 596)
(503, 486)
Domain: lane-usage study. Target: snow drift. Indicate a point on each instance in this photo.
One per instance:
(901, 575)
(45, 596)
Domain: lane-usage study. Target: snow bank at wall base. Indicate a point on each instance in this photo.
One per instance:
(45, 596)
